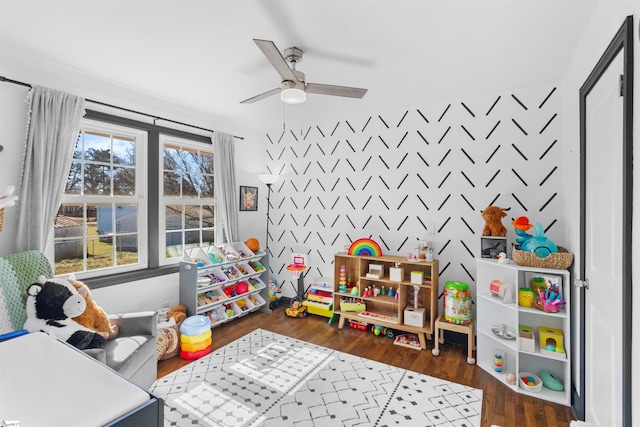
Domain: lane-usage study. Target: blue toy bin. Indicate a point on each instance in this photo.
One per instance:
(195, 325)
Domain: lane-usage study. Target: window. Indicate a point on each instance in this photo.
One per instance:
(101, 221)
(137, 196)
(187, 200)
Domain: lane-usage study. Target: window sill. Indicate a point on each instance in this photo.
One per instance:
(131, 276)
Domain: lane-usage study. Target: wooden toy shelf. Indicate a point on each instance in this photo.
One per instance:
(386, 310)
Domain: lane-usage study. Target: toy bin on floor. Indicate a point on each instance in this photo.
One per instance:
(195, 337)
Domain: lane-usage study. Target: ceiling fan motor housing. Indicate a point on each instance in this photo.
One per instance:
(288, 84)
(293, 54)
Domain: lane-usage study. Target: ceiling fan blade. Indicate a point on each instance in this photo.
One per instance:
(261, 96)
(277, 60)
(349, 92)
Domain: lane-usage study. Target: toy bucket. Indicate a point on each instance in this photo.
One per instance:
(457, 303)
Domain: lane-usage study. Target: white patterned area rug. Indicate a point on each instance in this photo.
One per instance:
(267, 379)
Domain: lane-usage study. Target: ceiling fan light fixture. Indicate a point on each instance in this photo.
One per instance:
(293, 95)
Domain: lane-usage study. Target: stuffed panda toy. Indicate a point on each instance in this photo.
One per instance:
(51, 306)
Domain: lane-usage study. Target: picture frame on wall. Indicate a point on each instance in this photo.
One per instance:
(248, 198)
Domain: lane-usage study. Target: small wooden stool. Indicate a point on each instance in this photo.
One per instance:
(442, 325)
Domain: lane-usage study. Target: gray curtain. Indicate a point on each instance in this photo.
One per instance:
(226, 189)
(53, 123)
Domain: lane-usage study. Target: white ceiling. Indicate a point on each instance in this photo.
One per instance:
(200, 54)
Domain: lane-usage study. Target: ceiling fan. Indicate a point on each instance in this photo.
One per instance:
(294, 87)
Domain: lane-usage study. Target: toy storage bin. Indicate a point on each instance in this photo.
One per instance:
(210, 297)
(242, 250)
(256, 266)
(527, 338)
(417, 277)
(246, 269)
(396, 274)
(259, 301)
(231, 273)
(229, 252)
(457, 303)
(537, 382)
(232, 310)
(244, 305)
(214, 254)
(215, 277)
(414, 316)
(198, 256)
(560, 260)
(255, 284)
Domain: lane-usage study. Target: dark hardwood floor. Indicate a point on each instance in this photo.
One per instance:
(501, 406)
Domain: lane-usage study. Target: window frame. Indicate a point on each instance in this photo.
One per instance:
(182, 200)
(152, 191)
(139, 198)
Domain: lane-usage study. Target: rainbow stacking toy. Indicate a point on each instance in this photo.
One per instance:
(365, 247)
(195, 337)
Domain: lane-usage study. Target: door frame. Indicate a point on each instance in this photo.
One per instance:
(623, 40)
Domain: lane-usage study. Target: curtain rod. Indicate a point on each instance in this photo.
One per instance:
(16, 82)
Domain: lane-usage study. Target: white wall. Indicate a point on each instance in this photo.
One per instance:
(605, 23)
(13, 113)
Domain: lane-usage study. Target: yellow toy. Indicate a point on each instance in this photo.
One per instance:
(551, 340)
(525, 297)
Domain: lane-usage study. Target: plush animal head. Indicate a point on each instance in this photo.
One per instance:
(493, 221)
(54, 299)
(94, 317)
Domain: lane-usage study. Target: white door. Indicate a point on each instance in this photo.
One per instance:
(603, 299)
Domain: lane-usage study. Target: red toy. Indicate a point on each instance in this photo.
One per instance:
(242, 288)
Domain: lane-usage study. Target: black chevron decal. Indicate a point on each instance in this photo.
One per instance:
(335, 128)
(444, 134)
(467, 156)
(493, 105)
(365, 125)
(403, 137)
(519, 102)
(547, 98)
(519, 127)
(548, 123)
(468, 110)
(443, 113)
(492, 129)
(403, 116)
(423, 116)
(548, 175)
(548, 148)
